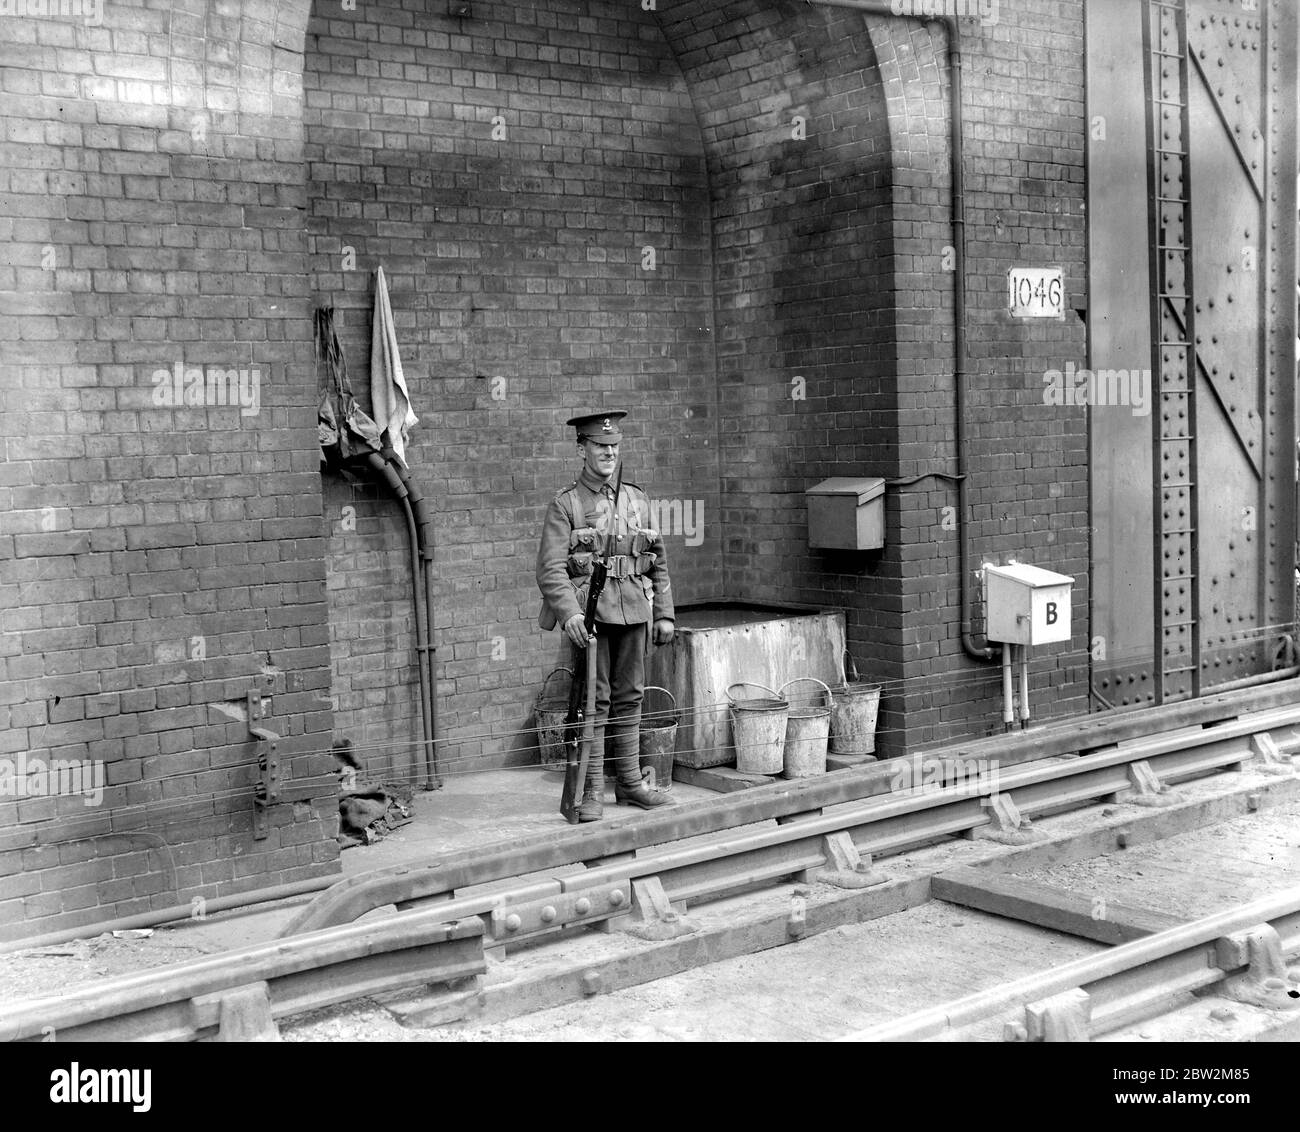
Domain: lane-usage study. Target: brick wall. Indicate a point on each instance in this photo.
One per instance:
(730, 219)
(158, 558)
(513, 174)
(832, 265)
(797, 136)
(1024, 168)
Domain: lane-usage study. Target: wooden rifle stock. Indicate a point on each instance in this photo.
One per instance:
(580, 720)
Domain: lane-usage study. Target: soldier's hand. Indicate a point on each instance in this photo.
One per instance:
(576, 628)
(663, 633)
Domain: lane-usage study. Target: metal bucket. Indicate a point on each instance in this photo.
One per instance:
(758, 731)
(550, 712)
(853, 718)
(658, 740)
(806, 735)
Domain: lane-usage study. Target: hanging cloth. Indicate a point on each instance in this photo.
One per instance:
(389, 399)
(344, 428)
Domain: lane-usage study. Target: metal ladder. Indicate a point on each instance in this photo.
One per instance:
(1176, 601)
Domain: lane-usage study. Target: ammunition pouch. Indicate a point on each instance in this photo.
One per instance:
(582, 551)
(579, 565)
(628, 565)
(585, 545)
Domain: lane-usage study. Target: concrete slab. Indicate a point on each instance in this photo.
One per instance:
(484, 810)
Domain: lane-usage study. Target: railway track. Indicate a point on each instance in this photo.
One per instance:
(1241, 954)
(461, 922)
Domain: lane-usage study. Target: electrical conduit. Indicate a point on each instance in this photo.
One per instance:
(973, 647)
(389, 474)
(429, 651)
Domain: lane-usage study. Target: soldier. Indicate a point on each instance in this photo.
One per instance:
(636, 596)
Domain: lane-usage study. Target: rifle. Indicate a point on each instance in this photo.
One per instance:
(580, 721)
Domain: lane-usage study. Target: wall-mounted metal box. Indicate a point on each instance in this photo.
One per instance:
(847, 514)
(1026, 605)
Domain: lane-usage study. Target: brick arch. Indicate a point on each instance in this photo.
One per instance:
(807, 265)
(910, 56)
(513, 253)
(872, 91)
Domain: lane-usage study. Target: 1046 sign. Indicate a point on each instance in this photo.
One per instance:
(1036, 292)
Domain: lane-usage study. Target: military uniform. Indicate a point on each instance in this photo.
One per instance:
(637, 594)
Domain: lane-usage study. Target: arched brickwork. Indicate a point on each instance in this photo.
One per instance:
(533, 182)
(159, 560)
(877, 361)
(796, 125)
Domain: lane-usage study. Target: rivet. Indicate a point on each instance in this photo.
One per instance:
(548, 915)
(582, 906)
(513, 923)
(616, 898)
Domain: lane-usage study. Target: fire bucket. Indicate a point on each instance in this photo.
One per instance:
(550, 712)
(853, 718)
(659, 739)
(758, 731)
(806, 735)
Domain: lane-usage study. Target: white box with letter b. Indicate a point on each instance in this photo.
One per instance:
(1026, 605)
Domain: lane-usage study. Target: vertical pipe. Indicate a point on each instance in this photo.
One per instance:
(973, 648)
(431, 656)
(394, 481)
(1008, 699)
(1024, 686)
(429, 650)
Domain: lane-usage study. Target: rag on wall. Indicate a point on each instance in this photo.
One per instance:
(390, 400)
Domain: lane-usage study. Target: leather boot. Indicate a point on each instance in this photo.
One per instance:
(631, 787)
(640, 794)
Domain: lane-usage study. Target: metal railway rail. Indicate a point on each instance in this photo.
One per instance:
(1240, 951)
(239, 994)
(403, 886)
(822, 831)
